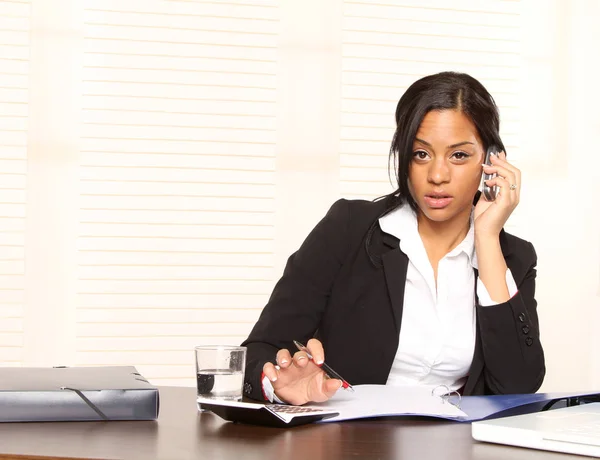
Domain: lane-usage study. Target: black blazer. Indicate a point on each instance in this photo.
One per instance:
(331, 289)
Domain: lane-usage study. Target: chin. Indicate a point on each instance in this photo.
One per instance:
(442, 214)
(438, 215)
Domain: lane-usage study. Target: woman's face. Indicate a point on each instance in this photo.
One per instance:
(445, 169)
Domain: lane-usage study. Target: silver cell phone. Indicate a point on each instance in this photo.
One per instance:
(490, 193)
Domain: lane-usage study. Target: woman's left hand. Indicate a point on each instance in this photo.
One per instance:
(490, 216)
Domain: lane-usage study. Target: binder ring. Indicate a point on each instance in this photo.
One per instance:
(446, 395)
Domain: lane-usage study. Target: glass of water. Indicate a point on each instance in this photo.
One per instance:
(220, 372)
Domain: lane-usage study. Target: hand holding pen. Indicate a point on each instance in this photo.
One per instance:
(326, 368)
(299, 379)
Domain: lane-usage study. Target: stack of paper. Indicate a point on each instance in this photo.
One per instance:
(382, 401)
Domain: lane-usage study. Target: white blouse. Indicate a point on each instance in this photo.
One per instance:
(437, 337)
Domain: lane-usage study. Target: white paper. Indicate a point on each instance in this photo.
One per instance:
(385, 400)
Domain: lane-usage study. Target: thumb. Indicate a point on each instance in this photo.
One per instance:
(331, 386)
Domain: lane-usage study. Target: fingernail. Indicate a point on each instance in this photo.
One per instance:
(319, 362)
(273, 379)
(301, 357)
(284, 361)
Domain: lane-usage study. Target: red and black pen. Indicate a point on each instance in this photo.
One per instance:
(328, 370)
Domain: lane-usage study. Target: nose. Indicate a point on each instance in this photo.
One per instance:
(439, 172)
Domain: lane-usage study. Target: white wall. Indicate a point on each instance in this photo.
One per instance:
(561, 120)
(160, 160)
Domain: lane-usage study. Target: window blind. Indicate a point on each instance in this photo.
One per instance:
(14, 68)
(178, 162)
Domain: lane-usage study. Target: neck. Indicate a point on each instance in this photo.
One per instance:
(444, 236)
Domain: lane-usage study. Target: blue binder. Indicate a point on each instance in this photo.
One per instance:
(494, 406)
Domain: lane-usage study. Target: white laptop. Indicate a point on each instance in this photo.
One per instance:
(573, 430)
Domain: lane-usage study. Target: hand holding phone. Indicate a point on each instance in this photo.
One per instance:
(490, 193)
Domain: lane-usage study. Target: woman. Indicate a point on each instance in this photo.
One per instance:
(420, 287)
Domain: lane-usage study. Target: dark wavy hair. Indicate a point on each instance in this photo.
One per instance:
(441, 91)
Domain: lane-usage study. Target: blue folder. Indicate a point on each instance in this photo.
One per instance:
(494, 406)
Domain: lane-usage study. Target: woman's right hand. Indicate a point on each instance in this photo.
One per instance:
(298, 379)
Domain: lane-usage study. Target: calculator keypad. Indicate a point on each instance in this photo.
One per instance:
(281, 408)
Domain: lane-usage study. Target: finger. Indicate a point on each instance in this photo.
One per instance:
(503, 172)
(499, 157)
(325, 389)
(316, 350)
(271, 372)
(284, 359)
(300, 359)
(505, 194)
(511, 187)
(331, 386)
(501, 161)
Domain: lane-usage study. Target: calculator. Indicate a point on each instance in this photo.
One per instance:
(274, 415)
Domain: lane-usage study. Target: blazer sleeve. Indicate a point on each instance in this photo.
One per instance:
(512, 351)
(297, 303)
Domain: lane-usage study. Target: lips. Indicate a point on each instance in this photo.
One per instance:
(438, 200)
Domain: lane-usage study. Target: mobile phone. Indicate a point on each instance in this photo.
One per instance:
(490, 193)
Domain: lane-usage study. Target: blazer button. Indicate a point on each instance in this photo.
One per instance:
(529, 341)
(525, 329)
(521, 317)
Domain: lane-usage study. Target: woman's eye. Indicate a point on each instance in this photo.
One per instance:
(460, 155)
(420, 155)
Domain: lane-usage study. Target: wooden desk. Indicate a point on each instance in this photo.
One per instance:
(181, 434)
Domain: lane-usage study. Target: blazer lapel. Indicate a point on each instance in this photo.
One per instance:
(395, 266)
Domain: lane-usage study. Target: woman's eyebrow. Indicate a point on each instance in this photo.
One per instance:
(453, 146)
